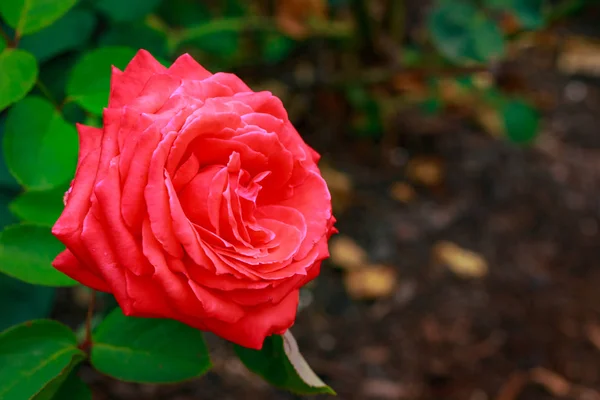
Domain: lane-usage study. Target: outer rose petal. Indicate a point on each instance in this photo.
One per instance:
(251, 330)
(69, 265)
(187, 68)
(125, 86)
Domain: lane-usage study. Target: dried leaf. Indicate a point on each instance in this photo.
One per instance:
(402, 192)
(340, 187)
(512, 388)
(554, 383)
(463, 262)
(385, 389)
(580, 56)
(346, 253)
(592, 331)
(293, 15)
(490, 120)
(371, 282)
(425, 170)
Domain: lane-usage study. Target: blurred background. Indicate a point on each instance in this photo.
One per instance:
(461, 144)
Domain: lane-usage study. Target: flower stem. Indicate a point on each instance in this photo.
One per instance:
(87, 342)
(7, 39)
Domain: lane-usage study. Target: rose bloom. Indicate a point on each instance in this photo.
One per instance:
(197, 201)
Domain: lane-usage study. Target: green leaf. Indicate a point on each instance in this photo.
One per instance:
(70, 32)
(26, 253)
(275, 46)
(136, 36)
(26, 301)
(488, 40)
(463, 33)
(2, 44)
(34, 354)
(521, 121)
(148, 350)
(55, 75)
(73, 113)
(185, 13)
(7, 181)
(235, 8)
(29, 16)
(281, 364)
(121, 11)
(89, 83)
(39, 207)
(18, 72)
(40, 148)
(216, 42)
(73, 388)
(50, 391)
(530, 13)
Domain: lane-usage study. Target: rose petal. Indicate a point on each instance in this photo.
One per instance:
(68, 264)
(155, 93)
(186, 67)
(186, 172)
(157, 198)
(125, 86)
(260, 322)
(133, 205)
(309, 199)
(94, 237)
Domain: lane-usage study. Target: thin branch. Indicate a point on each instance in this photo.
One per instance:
(87, 342)
(46, 92)
(382, 75)
(7, 39)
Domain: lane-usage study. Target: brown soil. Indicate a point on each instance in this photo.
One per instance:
(528, 330)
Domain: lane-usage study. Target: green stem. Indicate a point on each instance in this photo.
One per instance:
(46, 92)
(364, 23)
(397, 15)
(87, 341)
(381, 75)
(7, 39)
(250, 23)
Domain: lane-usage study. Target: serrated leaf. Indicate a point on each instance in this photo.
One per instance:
(89, 83)
(18, 72)
(148, 350)
(29, 16)
(26, 253)
(40, 148)
(34, 354)
(39, 207)
(129, 10)
(280, 363)
(69, 32)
